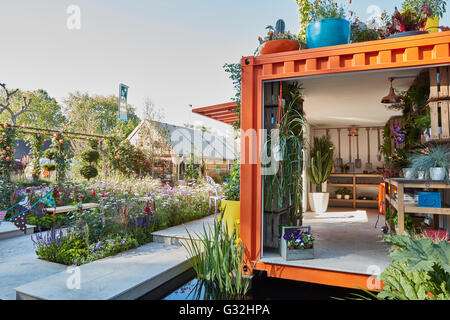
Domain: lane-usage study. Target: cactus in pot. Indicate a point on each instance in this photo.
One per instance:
(319, 171)
(280, 26)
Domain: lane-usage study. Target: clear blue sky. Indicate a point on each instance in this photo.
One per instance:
(169, 51)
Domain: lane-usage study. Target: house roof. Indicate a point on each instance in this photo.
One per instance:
(186, 141)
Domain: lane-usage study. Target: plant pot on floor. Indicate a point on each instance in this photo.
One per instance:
(319, 201)
(295, 253)
(438, 173)
(279, 45)
(231, 214)
(327, 32)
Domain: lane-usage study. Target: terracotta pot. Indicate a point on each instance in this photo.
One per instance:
(280, 45)
(308, 246)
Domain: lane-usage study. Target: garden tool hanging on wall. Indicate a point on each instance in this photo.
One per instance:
(358, 160)
(350, 164)
(368, 164)
(339, 160)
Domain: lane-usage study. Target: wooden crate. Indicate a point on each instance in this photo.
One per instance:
(439, 103)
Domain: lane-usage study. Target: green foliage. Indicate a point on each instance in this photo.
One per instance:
(7, 144)
(97, 114)
(420, 270)
(90, 158)
(49, 166)
(192, 171)
(60, 154)
(234, 71)
(35, 142)
(125, 158)
(360, 32)
(321, 161)
(232, 188)
(217, 257)
(420, 254)
(283, 189)
(438, 7)
(90, 155)
(88, 171)
(433, 156)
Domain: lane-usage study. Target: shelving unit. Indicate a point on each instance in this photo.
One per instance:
(354, 185)
(403, 206)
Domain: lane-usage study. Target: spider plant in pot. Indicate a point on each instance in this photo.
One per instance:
(434, 160)
(319, 171)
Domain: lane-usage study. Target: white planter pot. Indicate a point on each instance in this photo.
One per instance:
(437, 173)
(421, 175)
(319, 201)
(339, 196)
(347, 197)
(408, 173)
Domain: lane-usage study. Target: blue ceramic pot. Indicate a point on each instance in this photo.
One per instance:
(327, 32)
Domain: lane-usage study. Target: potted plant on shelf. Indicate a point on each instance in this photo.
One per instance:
(231, 205)
(339, 193)
(408, 22)
(437, 10)
(319, 171)
(434, 160)
(297, 243)
(327, 24)
(277, 40)
(347, 193)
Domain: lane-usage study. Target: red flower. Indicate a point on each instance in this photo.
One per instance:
(80, 197)
(8, 148)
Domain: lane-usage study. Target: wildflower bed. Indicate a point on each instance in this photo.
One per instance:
(129, 212)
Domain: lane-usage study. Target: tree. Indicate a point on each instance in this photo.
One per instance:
(43, 112)
(14, 110)
(96, 114)
(8, 133)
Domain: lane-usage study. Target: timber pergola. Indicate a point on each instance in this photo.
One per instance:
(422, 51)
(224, 112)
(76, 135)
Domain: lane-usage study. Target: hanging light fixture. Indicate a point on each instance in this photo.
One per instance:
(391, 98)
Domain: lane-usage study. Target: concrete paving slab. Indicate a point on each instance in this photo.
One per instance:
(19, 265)
(9, 230)
(128, 275)
(175, 235)
(346, 241)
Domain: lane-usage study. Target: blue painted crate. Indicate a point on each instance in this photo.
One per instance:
(429, 199)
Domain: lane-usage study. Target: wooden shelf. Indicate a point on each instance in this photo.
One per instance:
(354, 185)
(403, 206)
(340, 184)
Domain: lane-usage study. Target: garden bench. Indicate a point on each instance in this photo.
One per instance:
(62, 209)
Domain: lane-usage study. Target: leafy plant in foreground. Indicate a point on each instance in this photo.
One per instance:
(218, 257)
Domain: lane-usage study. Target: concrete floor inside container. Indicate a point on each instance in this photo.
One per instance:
(346, 241)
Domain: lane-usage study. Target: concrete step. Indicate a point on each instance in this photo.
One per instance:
(9, 230)
(178, 235)
(129, 275)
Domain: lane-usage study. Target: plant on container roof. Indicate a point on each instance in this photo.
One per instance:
(408, 20)
(278, 32)
(437, 7)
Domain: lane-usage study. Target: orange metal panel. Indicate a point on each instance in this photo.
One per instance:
(415, 51)
(326, 277)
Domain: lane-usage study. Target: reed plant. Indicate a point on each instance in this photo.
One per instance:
(217, 258)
